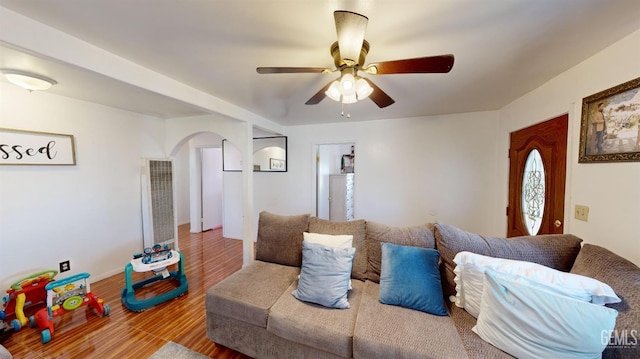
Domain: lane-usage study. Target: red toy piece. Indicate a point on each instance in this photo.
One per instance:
(64, 296)
(25, 293)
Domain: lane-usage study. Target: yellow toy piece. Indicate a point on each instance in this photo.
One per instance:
(20, 300)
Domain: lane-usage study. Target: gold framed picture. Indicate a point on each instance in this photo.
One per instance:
(610, 125)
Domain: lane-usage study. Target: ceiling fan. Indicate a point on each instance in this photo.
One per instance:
(349, 54)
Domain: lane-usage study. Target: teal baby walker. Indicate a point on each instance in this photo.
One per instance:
(155, 259)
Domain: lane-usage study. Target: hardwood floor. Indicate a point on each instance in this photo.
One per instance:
(209, 258)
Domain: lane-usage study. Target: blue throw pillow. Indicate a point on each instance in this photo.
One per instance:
(324, 276)
(410, 278)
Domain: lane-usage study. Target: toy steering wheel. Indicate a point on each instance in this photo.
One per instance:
(33, 279)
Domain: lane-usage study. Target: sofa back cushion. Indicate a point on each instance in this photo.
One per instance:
(356, 229)
(280, 238)
(557, 251)
(376, 233)
(624, 277)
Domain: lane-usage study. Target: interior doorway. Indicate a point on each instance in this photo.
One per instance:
(334, 159)
(537, 176)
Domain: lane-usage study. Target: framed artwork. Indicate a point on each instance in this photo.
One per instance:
(19, 147)
(276, 164)
(610, 125)
(347, 164)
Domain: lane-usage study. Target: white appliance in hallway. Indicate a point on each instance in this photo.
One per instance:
(341, 197)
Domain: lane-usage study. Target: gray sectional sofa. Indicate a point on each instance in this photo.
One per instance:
(254, 312)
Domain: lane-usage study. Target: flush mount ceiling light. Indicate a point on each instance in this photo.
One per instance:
(28, 80)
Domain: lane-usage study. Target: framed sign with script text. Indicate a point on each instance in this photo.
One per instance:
(19, 147)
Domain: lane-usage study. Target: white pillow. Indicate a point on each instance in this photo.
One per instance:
(527, 320)
(469, 279)
(337, 241)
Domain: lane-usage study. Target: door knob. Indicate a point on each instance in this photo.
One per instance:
(557, 223)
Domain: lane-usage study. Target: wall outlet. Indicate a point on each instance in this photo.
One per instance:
(582, 213)
(65, 266)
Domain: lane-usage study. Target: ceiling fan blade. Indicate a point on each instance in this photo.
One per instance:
(319, 96)
(378, 96)
(289, 70)
(350, 28)
(431, 64)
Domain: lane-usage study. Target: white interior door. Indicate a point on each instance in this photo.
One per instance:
(211, 188)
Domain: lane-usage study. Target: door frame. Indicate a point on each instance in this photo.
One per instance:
(314, 172)
(195, 187)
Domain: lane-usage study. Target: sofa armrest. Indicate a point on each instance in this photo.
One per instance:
(624, 278)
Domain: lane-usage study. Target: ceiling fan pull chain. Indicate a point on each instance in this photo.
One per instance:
(342, 113)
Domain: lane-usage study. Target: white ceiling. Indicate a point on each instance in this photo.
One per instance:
(503, 49)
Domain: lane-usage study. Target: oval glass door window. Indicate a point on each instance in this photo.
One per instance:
(533, 192)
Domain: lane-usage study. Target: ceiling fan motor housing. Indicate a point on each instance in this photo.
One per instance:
(341, 63)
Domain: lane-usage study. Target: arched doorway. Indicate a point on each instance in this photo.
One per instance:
(207, 198)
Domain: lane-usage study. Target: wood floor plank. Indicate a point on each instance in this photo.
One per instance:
(209, 258)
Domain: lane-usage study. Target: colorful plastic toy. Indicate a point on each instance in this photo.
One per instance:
(66, 295)
(25, 293)
(156, 254)
(156, 260)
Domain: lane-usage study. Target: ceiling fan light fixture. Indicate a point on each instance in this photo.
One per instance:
(27, 80)
(363, 89)
(333, 92)
(349, 98)
(347, 82)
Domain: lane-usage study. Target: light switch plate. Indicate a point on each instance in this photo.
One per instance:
(582, 213)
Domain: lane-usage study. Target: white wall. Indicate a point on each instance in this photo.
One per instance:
(410, 171)
(611, 190)
(181, 175)
(88, 213)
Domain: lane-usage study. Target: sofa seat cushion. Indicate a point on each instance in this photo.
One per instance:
(377, 233)
(248, 294)
(314, 325)
(557, 251)
(624, 278)
(386, 331)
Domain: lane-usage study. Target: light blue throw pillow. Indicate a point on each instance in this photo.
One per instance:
(527, 319)
(410, 278)
(325, 274)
